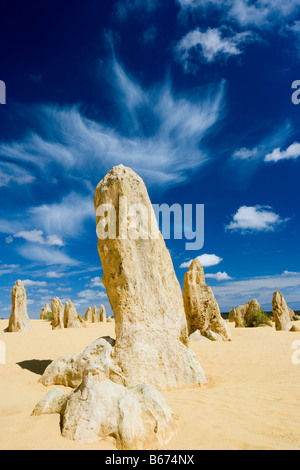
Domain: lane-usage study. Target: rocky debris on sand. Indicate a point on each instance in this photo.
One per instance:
(136, 417)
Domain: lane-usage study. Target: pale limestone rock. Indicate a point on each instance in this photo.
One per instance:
(240, 315)
(82, 320)
(245, 314)
(45, 311)
(252, 308)
(201, 308)
(102, 313)
(95, 315)
(88, 315)
(53, 402)
(232, 315)
(19, 320)
(281, 312)
(68, 370)
(110, 320)
(71, 319)
(295, 329)
(137, 417)
(293, 316)
(57, 314)
(143, 291)
(196, 336)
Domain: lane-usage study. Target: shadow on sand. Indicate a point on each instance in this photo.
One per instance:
(35, 365)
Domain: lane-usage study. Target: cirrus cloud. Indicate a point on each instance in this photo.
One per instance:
(210, 45)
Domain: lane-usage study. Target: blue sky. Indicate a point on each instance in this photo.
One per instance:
(193, 95)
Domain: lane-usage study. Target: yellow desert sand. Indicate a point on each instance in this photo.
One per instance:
(251, 399)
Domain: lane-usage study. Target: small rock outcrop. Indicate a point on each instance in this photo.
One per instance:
(295, 329)
(102, 314)
(71, 317)
(201, 308)
(19, 320)
(142, 288)
(68, 370)
(57, 314)
(281, 312)
(137, 417)
(46, 313)
(245, 314)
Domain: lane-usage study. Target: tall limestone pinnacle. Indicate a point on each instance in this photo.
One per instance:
(201, 308)
(115, 380)
(282, 314)
(102, 314)
(142, 288)
(19, 320)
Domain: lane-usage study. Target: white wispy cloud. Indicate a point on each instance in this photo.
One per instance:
(96, 282)
(31, 283)
(54, 275)
(12, 173)
(44, 227)
(89, 293)
(220, 276)
(291, 153)
(206, 260)
(8, 268)
(90, 297)
(255, 219)
(246, 154)
(244, 161)
(37, 236)
(155, 127)
(261, 14)
(45, 255)
(211, 45)
(64, 289)
(66, 217)
(234, 293)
